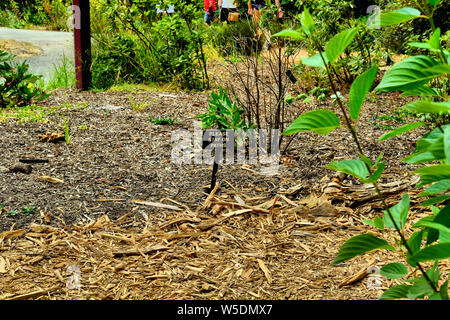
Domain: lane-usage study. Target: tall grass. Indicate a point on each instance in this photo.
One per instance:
(63, 75)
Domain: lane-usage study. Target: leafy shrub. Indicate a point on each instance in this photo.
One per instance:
(223, 113)
(114, 60)
(135, 44)
(17, 86)
(21, 13)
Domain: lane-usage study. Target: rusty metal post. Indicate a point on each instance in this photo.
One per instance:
(82, 39)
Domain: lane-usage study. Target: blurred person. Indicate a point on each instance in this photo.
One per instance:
(210, 10)
(226, 7)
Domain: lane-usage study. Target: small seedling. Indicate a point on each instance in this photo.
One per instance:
(67, 136)
(12, 213)
(162, 121)
(140, 107)
(29, 210)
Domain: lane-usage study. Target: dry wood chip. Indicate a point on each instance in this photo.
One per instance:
(157, 204)
(4, 265)
(11, 234)
(34, 294)
(51, 180)
(195, 269)
(207, 203)
(237, 205)
(357, 276)
(266, 270)
(179, 220)
(156, 247)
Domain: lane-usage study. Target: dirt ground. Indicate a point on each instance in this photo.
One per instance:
(20, 49)
(114, 212)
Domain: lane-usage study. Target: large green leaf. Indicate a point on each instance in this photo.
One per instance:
(291, 34)
(434, 252)
(395, 17)
(376, 174)
(419, 290)
(434, 152)
(414, 243)
(307, 22)
(430, 174)
(421, 45)
(440, 68)
(359, 89)
(443, 291)
(315, 60)
(444, 232)
(395, 270)
(447, 146)
(435, 39)
(442, 217)
(359, 245)
(356, 168)
(402, 129)
(320, 121)
(423, 91)
(435, 200)
(399, 213)
(337, 45)
(408, 74)
(396, 292)
(438, 187)
(424, 106)
(430, 147)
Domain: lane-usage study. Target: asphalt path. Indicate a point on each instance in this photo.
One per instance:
(55, 46)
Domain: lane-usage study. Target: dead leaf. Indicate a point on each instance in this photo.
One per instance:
(357, 276)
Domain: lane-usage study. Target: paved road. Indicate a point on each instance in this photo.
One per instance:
(54, 45)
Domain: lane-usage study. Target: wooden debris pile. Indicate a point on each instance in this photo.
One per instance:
(231, 247)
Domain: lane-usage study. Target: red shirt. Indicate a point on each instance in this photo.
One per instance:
(210, 3)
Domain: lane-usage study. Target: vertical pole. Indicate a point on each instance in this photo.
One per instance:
(82, 39)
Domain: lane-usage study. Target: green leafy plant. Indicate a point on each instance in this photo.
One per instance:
(17, 86)
(223, 113)
(139, 107)
(29, 209)
(162, 121)
(431, 241)
(12, 213)
(66, 123)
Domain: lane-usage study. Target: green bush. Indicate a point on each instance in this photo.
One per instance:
(17, 86)
(52, 14)
(134, 44)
